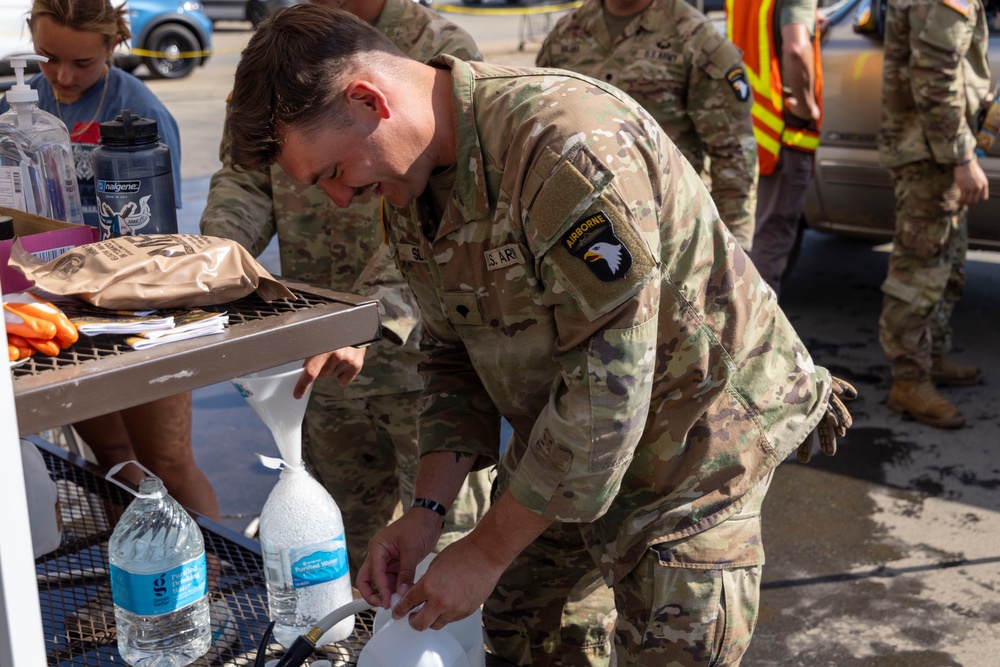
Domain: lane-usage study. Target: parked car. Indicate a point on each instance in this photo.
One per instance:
(850, 192)
(171, 37)
(254, 11)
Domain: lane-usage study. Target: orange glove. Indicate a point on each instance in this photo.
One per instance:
(13, 354)
(24, 349)
(27, 304)
(27, 326)
(49, 347)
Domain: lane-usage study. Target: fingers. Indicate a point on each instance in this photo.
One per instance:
(302, 385)
(804, 452)
(827, 437)
(844, 389)
(837, 412)
(369, 591)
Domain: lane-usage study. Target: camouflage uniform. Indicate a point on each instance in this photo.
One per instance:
(581, 281)
(689, 77)
(359, 441)
(935, 78)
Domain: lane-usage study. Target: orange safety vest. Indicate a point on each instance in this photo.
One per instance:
(750, 26)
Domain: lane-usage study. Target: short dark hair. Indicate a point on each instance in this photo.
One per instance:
(291, 72)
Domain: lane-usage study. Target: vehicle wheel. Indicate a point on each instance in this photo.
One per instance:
(127, 63)
(256, 12)
(170, 42)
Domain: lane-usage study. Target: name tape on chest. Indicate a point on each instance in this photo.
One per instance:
(498, 258)
(410, 253)
(593, 240)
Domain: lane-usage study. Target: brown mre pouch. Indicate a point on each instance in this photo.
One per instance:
(152, 271)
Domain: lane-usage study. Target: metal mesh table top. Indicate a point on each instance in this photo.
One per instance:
(101, 373)
(250, 308)
(74, 585)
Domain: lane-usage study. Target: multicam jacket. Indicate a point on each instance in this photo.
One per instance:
(677, 65)
(934, 80)
(327, 246)
(580, 281)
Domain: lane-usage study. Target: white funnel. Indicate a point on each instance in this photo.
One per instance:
(269, 393)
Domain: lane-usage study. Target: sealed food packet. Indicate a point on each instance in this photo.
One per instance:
(152, 271)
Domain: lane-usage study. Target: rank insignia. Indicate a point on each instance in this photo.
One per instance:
(593, 240)
(738, 80)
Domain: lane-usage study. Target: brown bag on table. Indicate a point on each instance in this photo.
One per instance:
(152, 271)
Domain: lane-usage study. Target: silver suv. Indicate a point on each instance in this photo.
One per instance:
(851, 192)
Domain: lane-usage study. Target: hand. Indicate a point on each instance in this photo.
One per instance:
(834, 423)
(806, 109)
(394, 553)
(457, 582)
(343, 365)
(973, 188)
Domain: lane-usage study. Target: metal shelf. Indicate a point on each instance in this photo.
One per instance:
(101, 373)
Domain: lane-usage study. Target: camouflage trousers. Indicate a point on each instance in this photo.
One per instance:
(692, 602)
(926, 273)
(364, 452)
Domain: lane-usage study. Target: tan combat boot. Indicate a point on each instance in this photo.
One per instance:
(918, 398)
(949, 374)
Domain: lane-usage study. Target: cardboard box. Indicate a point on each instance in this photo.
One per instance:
(40, 236)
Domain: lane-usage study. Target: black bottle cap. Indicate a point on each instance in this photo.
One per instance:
(6, 228)
(129, 130)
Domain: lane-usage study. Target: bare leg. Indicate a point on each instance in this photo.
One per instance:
(160, 432)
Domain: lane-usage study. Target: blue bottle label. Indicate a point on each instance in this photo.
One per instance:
(318, 563)
(162, 592)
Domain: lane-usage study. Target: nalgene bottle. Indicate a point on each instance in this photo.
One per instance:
(159, 580)
(134, 179)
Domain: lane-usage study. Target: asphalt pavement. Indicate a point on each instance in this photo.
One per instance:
(887, 554)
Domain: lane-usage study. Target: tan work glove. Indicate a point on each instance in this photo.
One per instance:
(834, 423)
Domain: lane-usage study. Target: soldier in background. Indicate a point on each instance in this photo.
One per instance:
(780, 44)
(935, 80)
(573, 275)
(671, 59)
(360, 440)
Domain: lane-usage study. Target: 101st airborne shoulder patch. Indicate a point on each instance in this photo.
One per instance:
(960, 6)
(592, 240)
(737, 78)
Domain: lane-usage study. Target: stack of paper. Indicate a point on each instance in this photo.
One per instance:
(187, 324)
(145, 328)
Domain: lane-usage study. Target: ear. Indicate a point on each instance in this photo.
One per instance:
(366, 97)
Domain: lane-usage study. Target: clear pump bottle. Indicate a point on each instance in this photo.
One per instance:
(37, 171)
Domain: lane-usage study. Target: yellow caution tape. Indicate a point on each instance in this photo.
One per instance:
(506, 11)
(170, 56)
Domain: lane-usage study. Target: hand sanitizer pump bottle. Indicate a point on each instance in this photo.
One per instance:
(44, 153)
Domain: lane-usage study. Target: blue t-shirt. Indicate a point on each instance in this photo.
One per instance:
(82, 117)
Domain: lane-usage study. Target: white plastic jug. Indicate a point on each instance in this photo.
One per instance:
(396, 644)
(468, 632)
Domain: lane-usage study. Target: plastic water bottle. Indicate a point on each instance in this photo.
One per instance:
(305, 558)
(159, 579)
